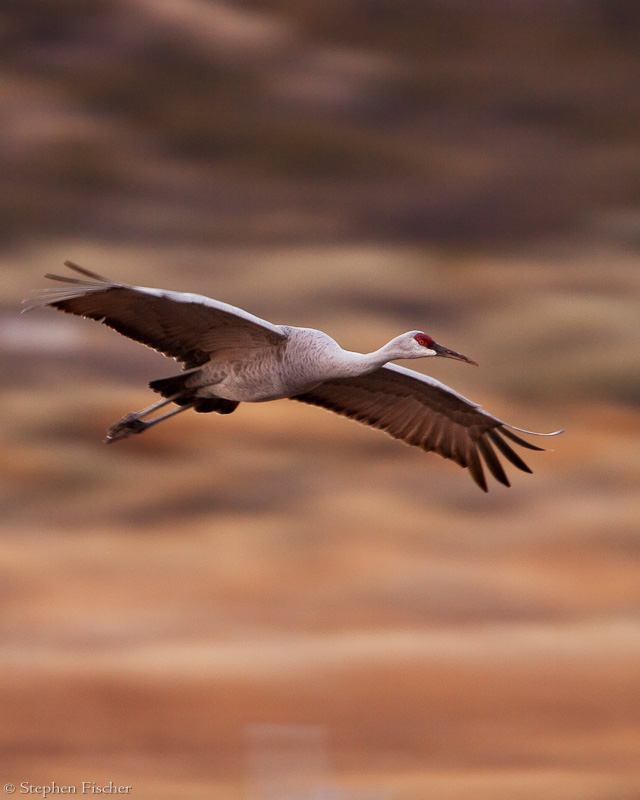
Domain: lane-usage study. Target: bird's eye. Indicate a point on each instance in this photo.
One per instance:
(423, 339)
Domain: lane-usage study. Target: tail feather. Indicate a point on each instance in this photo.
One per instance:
(175, 389)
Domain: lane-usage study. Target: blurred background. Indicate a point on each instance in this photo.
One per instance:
(281, 604)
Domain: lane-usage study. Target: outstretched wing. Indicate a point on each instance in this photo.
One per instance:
(425, 413)
(187, 327)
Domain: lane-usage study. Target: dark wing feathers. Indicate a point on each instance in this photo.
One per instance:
(187, 327)
(491, 460)
(424, 413)
(511, 435)
(146, 319)
(507, 451)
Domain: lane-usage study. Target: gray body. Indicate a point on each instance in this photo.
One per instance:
(298, 363)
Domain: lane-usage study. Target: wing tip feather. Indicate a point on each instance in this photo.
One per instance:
(55, 296)
(492, 461)
(83, 271)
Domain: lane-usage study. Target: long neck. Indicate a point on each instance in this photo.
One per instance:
(361, 363)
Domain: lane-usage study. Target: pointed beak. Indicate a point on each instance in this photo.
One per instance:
(446, 353)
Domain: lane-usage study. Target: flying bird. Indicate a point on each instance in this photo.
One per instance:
(229, 357)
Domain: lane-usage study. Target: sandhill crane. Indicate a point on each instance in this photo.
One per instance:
(229, 357)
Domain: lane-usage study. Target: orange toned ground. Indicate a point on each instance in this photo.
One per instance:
(282, 565)
(281, 603)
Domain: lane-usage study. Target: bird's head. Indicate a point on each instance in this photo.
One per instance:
(416, 344)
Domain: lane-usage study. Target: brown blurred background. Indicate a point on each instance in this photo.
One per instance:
(282, 605)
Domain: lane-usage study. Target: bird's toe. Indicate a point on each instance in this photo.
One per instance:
(126, 426)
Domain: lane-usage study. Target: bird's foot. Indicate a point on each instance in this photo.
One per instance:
(129, 424)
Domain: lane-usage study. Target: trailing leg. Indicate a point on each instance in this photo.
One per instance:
(133, 422)
(175, 391)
